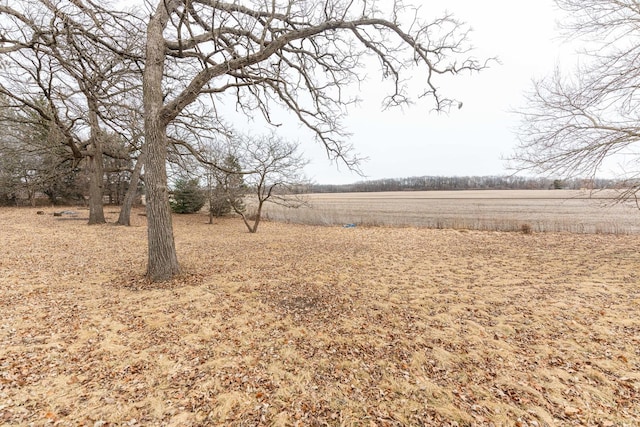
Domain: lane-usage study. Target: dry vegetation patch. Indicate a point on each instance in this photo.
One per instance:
(599, 212)
(301, 325)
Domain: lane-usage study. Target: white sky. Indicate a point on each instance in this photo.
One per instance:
(475, 139)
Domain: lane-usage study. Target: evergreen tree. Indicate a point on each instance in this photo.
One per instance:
(188, 196)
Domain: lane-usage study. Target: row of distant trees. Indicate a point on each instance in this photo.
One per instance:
(453, 183)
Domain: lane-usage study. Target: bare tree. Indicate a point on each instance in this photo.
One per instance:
(31, 159)
(298, 54)
(80, 58)
(276, 170)
(226, 186)
(573, 122)
(136, 139)
(124, 217)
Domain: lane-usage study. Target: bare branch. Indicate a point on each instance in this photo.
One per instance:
(573, 124)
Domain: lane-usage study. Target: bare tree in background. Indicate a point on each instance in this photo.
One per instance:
(80, 58)
(225, 185)
(276, 170)
(25, 156)
(136, 140)
(573, 122)
(296, 54)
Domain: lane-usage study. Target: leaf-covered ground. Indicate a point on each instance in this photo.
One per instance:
(301, 325)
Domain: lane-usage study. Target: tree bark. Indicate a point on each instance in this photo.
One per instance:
(96, 184)
(162, 258)
(252, 228)
(256, 221)
(125, 212)
(255, 225)
(95, 168)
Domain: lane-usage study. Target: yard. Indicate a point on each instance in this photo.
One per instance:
(311, 325)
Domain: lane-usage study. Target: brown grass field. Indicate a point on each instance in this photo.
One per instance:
(303, 325)
(496, 210)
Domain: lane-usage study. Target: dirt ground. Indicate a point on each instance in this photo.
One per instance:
(302, 325)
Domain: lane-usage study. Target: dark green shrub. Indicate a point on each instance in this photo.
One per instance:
(187, 197)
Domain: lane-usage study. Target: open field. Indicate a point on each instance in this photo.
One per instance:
(307, 325)
(502, 210)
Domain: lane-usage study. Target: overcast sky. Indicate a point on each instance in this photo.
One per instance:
(475, 139)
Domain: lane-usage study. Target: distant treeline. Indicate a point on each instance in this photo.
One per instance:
(453, 183)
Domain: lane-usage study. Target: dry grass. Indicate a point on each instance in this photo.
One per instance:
(302, 325)
(501, 210)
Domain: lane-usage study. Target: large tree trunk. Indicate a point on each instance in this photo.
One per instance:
(96, 187)
(125, 213)
(163, 261)
(95, 167)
